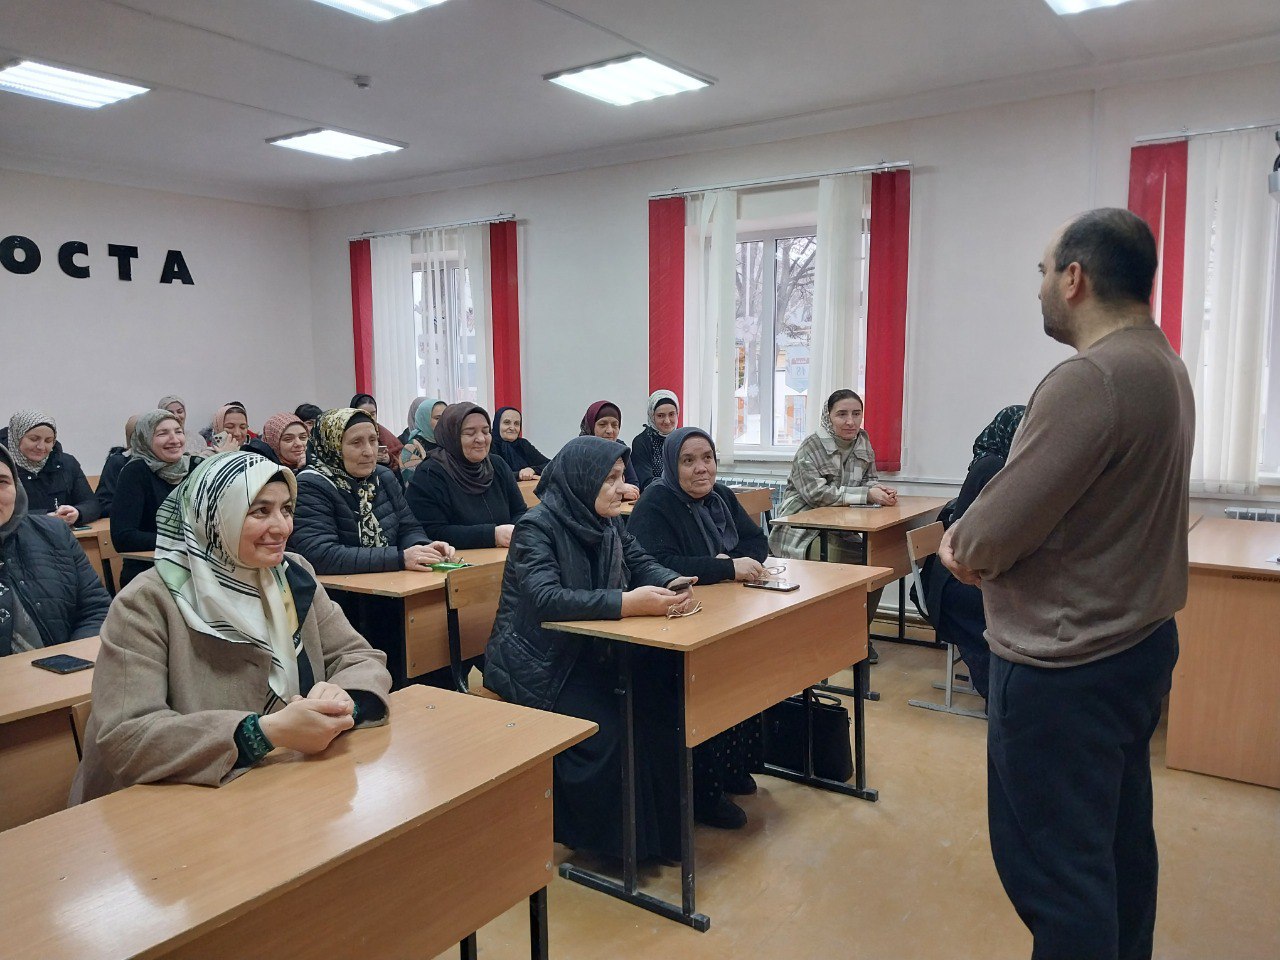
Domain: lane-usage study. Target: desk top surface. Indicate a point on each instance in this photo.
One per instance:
(26, 691)
(728, 608)
(1242, 546)
(154, 866)
(408, 583)
(866, 519)
(93, 530)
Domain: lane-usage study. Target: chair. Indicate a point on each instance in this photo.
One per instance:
(757, 502)
(469, 587)
(80, 720)
(921, 543)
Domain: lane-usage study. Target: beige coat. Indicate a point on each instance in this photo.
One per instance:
(167, 699)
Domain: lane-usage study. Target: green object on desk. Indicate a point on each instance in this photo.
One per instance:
(446, 566)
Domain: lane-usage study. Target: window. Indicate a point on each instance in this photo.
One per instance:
(445, 326)
(1269, 450)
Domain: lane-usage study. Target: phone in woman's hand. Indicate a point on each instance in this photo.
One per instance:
(681, 583)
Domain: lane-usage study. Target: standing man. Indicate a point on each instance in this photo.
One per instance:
(1080, 547)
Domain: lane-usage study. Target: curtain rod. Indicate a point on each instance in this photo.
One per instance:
(497, 218)
(772, 181)
(1188, 134)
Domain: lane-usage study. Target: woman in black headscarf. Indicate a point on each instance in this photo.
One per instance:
(525, 460)
(571, 559)
(462, 493)
(604, 419)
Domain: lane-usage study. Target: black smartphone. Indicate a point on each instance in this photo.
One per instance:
(62, 663)
(781, 586)
(679, 583)
(82, 526)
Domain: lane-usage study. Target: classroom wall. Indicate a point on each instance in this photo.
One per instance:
(990, 186)
(92, 351)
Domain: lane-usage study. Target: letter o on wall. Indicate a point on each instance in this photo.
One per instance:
(9, 248)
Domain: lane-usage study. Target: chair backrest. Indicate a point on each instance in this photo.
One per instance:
(923, 542)
(756, 501)
(474, 585)
(79, 720)
(93, 481)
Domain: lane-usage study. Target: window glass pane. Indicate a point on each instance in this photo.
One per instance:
(794, 326)
(748, 331)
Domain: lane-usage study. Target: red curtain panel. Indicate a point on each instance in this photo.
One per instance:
(887, 314)
(666, 295)
(362, 313)
(1158, 194)
(505, 303)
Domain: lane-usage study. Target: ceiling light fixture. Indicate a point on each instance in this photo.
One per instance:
(1065, 8)
(334, 143)
(628, 79)
(380, 9)
(44, 82)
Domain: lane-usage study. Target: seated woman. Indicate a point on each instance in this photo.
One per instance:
(117, 457)
(646, 448)
(571, 559)
(696, 526)
(230, 430)
(525, 460)
(423, 439)
(308, 413)
(390, 455)
(833, 467)
(955, 608)
(604, 419)
(228, 648)
(178, 407)
(462, 494)
(158, 462)
(53, 479)
(283, 441)
(351, 514)
(49, 593)
(407, 432)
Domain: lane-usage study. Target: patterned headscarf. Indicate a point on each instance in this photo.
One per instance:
(997, 437)
(714, 516)
(656, 436)
(568, 489)
(324, 455)
(594, 413)
(22, 423)
(198, 531)
(140, 447)
(473, 478)
(274, 429)
(422, 419)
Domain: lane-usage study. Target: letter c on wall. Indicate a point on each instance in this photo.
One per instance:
(66, 259)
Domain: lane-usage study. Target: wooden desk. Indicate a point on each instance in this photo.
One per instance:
(1224, 709)
(526, 491)
(399, 841)
(745, 651)
(91, 540)
(38, 755)
(421, 643)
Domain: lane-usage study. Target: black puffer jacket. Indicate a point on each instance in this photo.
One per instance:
(548, 577)
(61, 482)
(53, 580)
(326, 533)
(666, 526)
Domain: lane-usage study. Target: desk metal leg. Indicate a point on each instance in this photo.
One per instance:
(808, 777)
(538, 948)
(901, 636)
(467, 948)
(628, 889)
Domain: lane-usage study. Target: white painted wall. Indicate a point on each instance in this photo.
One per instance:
(989, 188)
(93, 351)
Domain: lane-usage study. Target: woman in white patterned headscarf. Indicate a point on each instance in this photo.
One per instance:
(228, 648)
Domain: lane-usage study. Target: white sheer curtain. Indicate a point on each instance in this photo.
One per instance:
(837, 282)
(1230, 255)
(473, 246)
(395, 372)
(709, 316)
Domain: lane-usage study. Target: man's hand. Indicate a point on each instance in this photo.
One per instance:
(958, 569)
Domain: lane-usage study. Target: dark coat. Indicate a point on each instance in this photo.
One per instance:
(642, 458)
(464, 520)
(261, 448)
(106, 491)
(62, 480)
(666, 527)
(53, 580)
(548, 577)
(139, 493)
(327, 534)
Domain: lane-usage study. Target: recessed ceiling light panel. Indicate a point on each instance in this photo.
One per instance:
(380, 9)
(1067, 7)
(627, 80)
(334, 143)
(44, 82)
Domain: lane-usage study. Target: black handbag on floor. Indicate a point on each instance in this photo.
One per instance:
(784, 737)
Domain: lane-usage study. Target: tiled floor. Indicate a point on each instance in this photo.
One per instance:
(819, 875)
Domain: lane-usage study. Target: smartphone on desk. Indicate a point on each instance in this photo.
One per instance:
(778, 586)
(680, 583)
(62, 663)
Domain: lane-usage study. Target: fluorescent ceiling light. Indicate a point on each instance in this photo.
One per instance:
(64, 86)
(627, 80)
(1067, 7)
(333, 143)
(380, 9)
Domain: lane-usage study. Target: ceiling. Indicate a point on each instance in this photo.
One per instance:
(461, 82)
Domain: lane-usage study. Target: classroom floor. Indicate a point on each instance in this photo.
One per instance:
(816, 874)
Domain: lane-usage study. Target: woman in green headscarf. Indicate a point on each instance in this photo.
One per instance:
(423, 438)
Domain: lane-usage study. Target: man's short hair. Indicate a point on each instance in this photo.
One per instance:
(1116, 251)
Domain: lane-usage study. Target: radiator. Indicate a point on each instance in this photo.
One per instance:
(1254, 513)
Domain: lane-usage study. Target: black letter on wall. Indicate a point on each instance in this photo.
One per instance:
(30, 254)
(66, 254)
(123, 255)
(175, 268)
